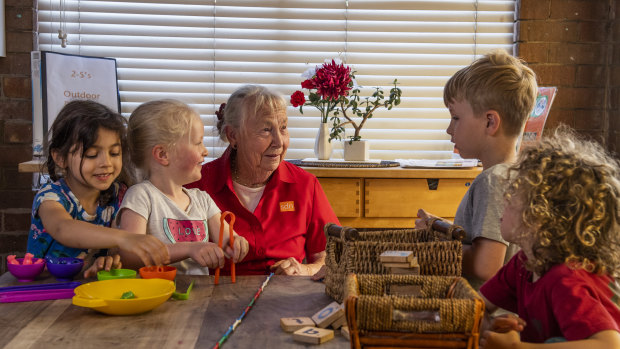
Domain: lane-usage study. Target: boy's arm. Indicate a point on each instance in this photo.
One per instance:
(600, 340)
(483, 258)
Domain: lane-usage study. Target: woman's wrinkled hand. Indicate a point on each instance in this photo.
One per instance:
(290, 266)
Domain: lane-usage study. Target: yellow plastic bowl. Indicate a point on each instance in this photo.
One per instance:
(105, 296)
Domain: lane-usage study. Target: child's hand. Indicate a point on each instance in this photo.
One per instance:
(423, 218)
(493, 340)
(150, 249)
(207, 254)
(507, 322)
(240, 249)
(107, 263)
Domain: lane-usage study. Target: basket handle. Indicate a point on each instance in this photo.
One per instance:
(448, 231)
(345, 233)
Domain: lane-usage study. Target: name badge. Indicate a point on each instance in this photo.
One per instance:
(287, 206)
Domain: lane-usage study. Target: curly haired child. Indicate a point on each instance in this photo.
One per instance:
(562, 209)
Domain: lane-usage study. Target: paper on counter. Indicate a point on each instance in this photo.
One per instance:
(446, 163)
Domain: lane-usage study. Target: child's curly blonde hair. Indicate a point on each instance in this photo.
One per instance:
(571, 193)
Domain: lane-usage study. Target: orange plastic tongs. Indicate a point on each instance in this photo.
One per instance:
(231, 241)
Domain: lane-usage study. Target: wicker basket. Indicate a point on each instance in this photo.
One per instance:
(446, 314)
(438, 249)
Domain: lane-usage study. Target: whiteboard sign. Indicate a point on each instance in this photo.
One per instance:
(68, 77)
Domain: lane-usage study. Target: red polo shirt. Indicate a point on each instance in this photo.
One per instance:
(288, 221)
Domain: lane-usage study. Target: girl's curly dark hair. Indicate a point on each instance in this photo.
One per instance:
(571, 190)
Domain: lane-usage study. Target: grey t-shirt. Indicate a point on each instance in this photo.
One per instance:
(171, 224)
(481, 208)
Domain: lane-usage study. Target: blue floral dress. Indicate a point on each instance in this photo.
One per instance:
(41, 244)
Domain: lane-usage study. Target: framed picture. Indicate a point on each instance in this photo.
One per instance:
(60, 78)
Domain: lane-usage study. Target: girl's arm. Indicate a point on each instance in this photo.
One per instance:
(600, 340)
(80, 234)
(205, 253)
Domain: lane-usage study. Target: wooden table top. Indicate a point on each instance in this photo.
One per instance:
(198, 322)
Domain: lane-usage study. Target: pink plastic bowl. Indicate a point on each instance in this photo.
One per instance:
(28, 272)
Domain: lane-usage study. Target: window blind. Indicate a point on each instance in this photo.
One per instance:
(201, 51)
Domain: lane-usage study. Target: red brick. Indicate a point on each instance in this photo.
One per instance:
(589, 119)
(615, 30)
(22, 3)
(17, 219)
(11, 178)
(575, 98)
(533, 52)
(558, 116)
(15, 63)
(590, 76)
(17, 132)
(554, 74)
(19, 18)
(579, 9)
(16, 87)
(16, 109)
(12, 155)
(13, 242)
(16, 199)
(548, 31)
(593, 31)
(614, 99)
(19, 42)
(576, 53)
(533, 9)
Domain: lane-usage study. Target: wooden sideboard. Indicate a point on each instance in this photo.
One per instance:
(391, 197)
(381, 197)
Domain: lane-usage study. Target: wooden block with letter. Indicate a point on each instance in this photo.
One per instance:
(411, 264)
(292, 324)
(313, 335)
(328, 315)
(344, 330)
(339, 322)
(405, 271)
(396, 256)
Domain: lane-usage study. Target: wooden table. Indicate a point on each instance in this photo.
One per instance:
(198, 322)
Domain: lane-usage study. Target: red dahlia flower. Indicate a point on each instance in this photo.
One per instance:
(332, 80)
(298, 99)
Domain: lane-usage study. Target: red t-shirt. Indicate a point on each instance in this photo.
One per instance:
(288, 221)
(564, 302)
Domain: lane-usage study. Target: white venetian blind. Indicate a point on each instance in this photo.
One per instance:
(201, 51)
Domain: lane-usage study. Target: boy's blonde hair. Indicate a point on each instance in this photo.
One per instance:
(570, 189)
(157, 122)
(496, 81)
(245, 101)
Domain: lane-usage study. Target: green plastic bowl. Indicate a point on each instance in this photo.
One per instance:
(116, 274)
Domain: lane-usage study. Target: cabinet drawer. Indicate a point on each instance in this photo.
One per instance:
(344, 194)
(403, 197)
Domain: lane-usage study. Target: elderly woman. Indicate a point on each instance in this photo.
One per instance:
(280, 209)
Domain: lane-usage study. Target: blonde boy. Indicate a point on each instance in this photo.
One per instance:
(489, 101)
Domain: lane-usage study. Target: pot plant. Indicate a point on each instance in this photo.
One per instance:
(335, 93)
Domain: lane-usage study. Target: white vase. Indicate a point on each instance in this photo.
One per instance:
(357, 150)
(322, 146)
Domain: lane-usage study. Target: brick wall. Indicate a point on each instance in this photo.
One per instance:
(15, 128)
(573, 44)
